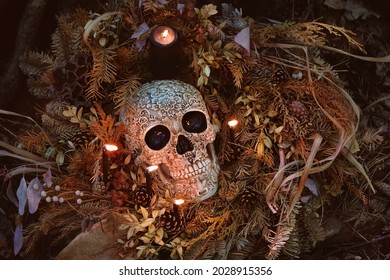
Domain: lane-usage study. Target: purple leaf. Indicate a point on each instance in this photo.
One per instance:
(18, 239)
(34, 190)
(161, 2)
(21, 193)
(181, 7)
(305, 199)
(312, 186)
(48, 178)
(140, 30)
(243, 39)
(140, 44)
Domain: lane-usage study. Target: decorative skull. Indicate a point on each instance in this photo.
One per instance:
(170, 126)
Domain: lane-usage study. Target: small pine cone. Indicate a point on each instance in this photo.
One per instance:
(82, 139)
(172, 222)
(279, 76)
(248, 198)
(299, 111)
(143, 195)
(98, 187)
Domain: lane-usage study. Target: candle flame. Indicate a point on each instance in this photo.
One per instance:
(151, 168)
(233, 123)
(179, 201)
(164, 34)
(110, 147)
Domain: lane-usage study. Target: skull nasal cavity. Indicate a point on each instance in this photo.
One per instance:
(183, 145)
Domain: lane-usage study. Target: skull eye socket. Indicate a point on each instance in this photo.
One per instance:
(157, 137)
(194, 121)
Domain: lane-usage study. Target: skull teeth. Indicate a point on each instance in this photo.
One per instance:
(197, 168)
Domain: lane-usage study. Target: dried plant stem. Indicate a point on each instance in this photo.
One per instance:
(94, 23)
(5, 112)
(270, 197)
(305, 173)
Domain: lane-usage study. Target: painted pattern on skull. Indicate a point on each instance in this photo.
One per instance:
(182, 148)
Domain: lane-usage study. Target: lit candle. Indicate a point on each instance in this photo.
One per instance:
(151, 168)
(164, 52)
(106, 149)
(176, 203)
(232, 123)
(110, 147)
(164, 36)
(148, 178)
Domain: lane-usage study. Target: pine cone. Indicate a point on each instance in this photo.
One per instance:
(299, 111)
(143, 195)
(279, 76)
(82, 139)
(99, 187)
(248, 198)
(172, 222)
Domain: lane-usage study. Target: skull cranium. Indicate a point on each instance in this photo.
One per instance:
(170, 126)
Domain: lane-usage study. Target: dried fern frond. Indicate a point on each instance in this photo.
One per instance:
(104, 71)
(307, 33)
(279, 238)
(39, 88)
(34, 141)
(105, 128)
(151, 6)
(124, 90)
(66, 40)
(216, 250)
(243, 248)
(35, 63)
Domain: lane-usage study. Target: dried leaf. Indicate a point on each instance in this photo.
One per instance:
(155, 213)
(130, 232)
(160, 232)
(141, 29)
(312, 186)
(145, 239)
(34, 190)
(18, 239)
(147, 222)
(267, 142)
(279, 129)
(180, 8)
(47, 177)
(243, 39)
(152, 228)
(144, 212)
(127, 160)
(21, 193)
